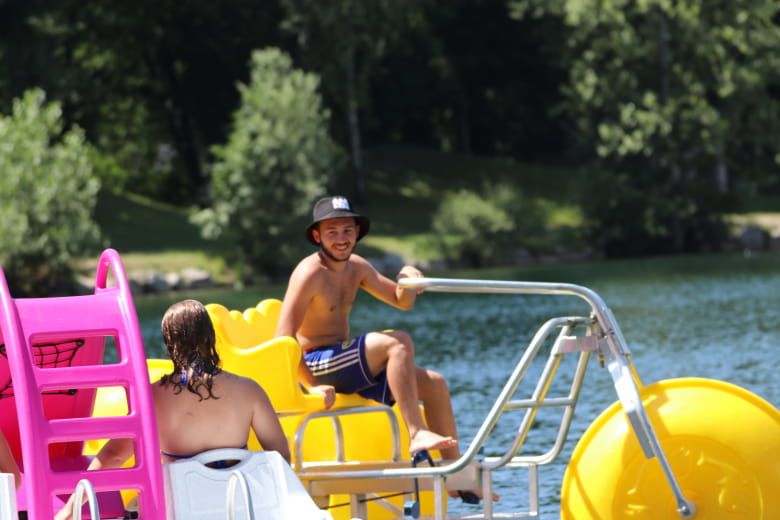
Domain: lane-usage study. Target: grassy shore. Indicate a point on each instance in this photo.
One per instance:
(404, 188)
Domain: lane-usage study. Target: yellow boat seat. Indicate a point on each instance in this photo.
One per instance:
(247, 346)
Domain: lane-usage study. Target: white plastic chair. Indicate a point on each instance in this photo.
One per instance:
(195, 491)
(7, 497)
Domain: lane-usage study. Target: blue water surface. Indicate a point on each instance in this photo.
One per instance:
(714, 316)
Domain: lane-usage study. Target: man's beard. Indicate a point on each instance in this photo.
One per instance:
(333, 257)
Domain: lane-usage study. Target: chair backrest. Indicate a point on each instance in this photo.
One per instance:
(264, 317)
(196, 491)
(7, 497)
(254, 326)
(247, 347)
(54, 350)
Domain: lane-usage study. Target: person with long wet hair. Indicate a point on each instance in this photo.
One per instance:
(198, 398)
(198, 406)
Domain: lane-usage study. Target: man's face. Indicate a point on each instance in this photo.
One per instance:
(337, 237)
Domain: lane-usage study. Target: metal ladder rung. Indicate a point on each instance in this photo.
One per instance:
(551, 402)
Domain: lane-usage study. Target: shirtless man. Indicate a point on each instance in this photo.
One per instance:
(377, 365)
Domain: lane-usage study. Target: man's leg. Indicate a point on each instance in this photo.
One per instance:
(393, 351)
(435, 394)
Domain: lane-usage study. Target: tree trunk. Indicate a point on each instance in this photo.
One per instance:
(721, 171)
(353, 123)
(181, 128)
(663, 56)
(465, 121)
(677, 228)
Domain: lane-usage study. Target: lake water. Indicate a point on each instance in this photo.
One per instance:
(713, 316)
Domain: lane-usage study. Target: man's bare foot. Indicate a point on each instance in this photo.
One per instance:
(428, 440)
(474, 492)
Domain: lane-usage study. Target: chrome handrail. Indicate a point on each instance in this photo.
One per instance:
(611, 348)
(85, 486)
(614, 350)
(338, 432)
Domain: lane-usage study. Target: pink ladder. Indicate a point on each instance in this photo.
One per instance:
(54, 349)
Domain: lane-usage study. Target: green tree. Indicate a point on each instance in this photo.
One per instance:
(150, 81)
(47, 196)
(277, 161)
(343, 41)
(465, 77)
(673, 102)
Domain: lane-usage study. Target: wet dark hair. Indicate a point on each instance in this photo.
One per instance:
(189, 335)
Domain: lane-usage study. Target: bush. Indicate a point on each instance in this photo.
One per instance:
(277, 161)
(490, 226)
(47, 196)
(471, 225)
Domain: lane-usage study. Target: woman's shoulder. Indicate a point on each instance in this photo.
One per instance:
(232, 379)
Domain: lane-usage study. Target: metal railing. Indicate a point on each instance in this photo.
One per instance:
(83, 487)
(602, 336)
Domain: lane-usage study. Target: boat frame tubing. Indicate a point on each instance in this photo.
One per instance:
(612, 349)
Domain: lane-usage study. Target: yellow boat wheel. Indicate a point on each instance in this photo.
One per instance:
(722, 443)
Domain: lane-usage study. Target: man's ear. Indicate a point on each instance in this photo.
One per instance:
(315, 234)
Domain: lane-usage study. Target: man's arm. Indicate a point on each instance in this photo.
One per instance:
(386, 290)
(300, 291)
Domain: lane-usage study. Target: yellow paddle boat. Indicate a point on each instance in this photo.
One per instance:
(676, 448)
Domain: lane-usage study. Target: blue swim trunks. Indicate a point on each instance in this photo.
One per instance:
(344, 366)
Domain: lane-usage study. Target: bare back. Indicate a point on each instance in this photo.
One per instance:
(188, 426)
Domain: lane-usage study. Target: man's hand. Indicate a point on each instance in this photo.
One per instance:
(410, 271)
(327, 392)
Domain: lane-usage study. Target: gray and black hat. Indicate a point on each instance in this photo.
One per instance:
(336, 207)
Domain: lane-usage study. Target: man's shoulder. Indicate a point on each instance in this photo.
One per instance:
(363, 264)
(360, 261)
(308, 264)
(310, 258)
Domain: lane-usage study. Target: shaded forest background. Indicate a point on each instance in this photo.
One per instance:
(659, 118)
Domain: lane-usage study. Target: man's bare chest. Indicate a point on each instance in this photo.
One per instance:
(336, 298)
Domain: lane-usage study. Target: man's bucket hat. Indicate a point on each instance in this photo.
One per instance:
(336, 207)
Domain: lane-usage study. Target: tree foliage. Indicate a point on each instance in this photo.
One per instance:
(487, 226)
(277, 160)
(47, 195)
(668, 98)
(670, 107)
(150, 82)
(343, 41)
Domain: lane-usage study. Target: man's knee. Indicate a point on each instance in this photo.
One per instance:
(432, 382)
(401, 337)
(402, 342)
(438, 380)
(380, 347)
